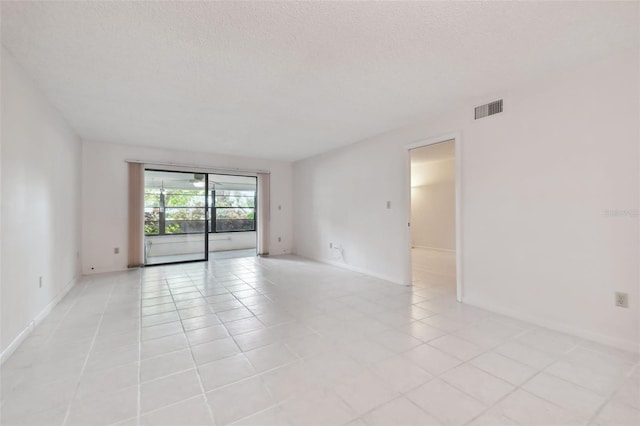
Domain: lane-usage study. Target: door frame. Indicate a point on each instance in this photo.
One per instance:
(207, 215)
(458, 210)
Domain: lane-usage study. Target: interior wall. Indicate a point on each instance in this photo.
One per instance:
(433, 204)
(539, 183)
(104, 198)
(40, 203)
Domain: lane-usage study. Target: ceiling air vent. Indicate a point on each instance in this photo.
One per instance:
(489, 109)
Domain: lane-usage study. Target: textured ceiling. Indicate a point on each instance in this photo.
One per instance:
(286, 80)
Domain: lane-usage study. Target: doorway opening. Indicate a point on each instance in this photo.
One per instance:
(434, 217)
(191, 216)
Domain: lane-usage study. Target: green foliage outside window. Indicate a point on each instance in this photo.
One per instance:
(184, 211)
(235, 211)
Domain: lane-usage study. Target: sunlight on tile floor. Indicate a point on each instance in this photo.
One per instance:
(287, 341)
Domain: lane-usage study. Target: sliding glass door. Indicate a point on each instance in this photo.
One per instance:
(176, 207)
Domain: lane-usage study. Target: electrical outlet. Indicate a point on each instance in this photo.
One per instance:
(622, 300)
(388, 204)
(330, 245)
(279, 239)
(116, 250)
(40, 282)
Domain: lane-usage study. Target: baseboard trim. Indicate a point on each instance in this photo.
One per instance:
(556, 326)
(434, 248)
(15, 344)
(351, 268)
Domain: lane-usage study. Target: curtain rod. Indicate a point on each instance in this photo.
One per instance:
(221, 170)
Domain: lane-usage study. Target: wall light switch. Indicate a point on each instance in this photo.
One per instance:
(388, 204)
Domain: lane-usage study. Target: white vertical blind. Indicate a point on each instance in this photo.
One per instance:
(136, 215)
(264, 211)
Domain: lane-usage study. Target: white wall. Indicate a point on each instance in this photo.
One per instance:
(40, 203)
(104, 198)
(536, 181)
(433, 204)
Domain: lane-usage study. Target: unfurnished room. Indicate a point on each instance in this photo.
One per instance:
(358, 213)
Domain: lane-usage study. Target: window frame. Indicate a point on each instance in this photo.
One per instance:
(162, 221)
(214, 209)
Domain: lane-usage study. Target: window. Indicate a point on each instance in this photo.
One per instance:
(173, 211)
(151, 211)
(234, 211)
(182, 211)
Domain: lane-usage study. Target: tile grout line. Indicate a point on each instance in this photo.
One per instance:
(75, 300)
(523, 332)
(139, 402)
(51, 335)
(258, 375)
(298, 317)
(611, 395)
(173, 404)
(490, 348)
(516, 387)
(197, 371)
(86, 360)
(520, 387)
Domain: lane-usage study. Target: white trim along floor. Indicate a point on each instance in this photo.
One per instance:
(288, 341)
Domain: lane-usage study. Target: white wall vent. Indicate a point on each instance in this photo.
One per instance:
(489, 109)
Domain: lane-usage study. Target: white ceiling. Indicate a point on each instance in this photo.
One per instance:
(287, 80)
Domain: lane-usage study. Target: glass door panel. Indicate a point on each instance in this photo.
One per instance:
(175, 217)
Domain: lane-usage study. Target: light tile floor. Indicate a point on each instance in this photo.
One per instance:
(287, 341)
